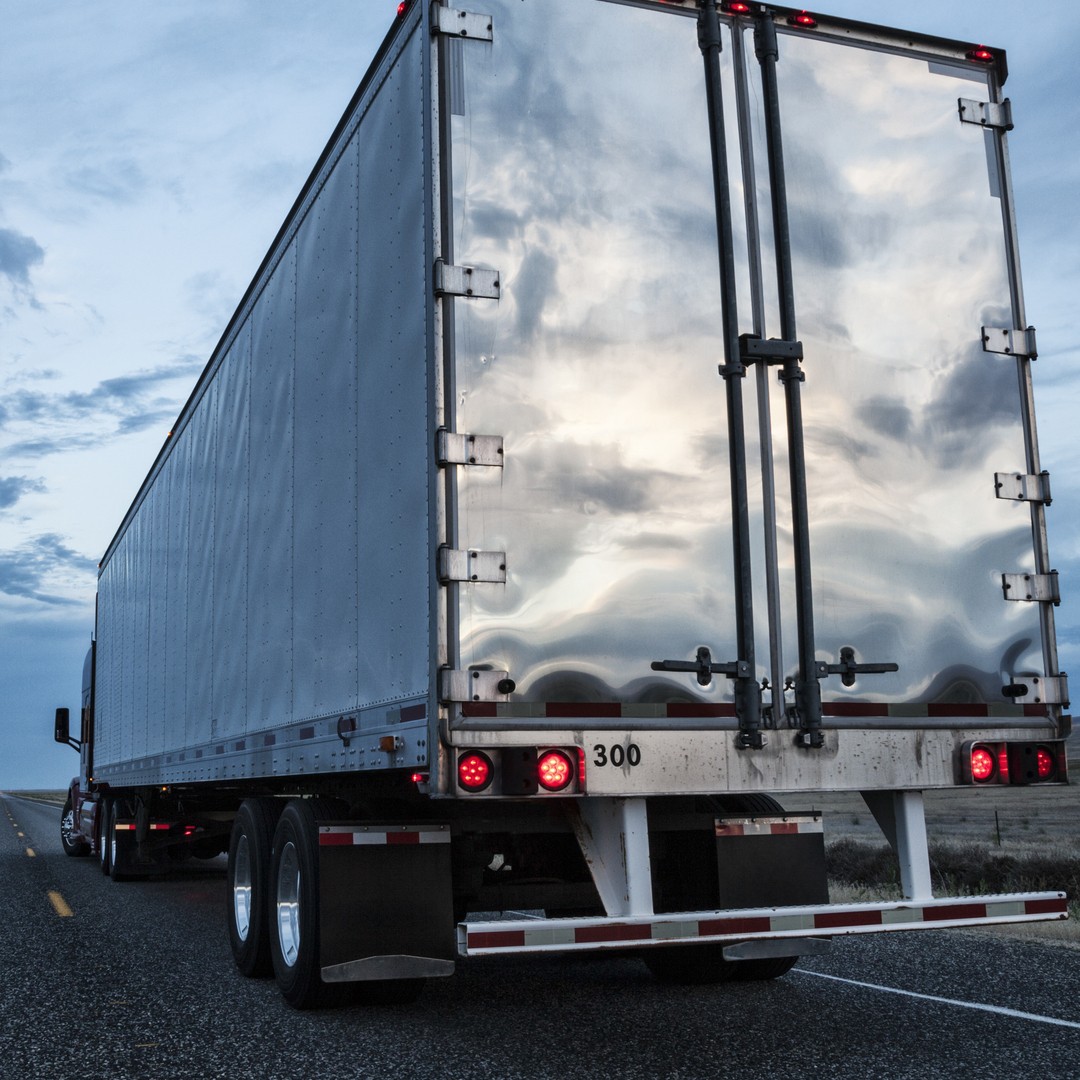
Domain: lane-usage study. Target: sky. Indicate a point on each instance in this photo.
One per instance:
(148, 154)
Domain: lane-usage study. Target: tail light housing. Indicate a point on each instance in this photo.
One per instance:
(521, 771)
(985, 763)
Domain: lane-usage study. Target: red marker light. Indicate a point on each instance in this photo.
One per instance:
(1045, 766)
(803, 19)
(982, 54)
(474, 771)
(982, 764)
(554, 770)
(403, 7)
(736, 8)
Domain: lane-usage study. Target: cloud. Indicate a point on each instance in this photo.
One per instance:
(13, 488)
(132, 401)
(18, 253)
(117, 182)
(42, 562)
(534, 285)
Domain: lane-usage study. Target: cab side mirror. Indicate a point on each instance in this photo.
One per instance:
(62, 729)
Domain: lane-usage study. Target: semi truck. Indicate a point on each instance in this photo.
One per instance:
(628, 437)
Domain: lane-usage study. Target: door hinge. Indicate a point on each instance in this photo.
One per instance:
(1025, 488)
(475, 685)
(1010, 342)
(456, 448)
(1037, 588)
(461, 24)
(455, 565)
(471, 281)
(987, 114)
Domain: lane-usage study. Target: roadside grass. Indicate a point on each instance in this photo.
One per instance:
(860, 870)
(57, 797)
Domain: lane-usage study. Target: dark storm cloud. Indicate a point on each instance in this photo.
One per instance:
(28, 570)
(13, 488)
(18, 253)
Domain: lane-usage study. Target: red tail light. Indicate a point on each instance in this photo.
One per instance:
(983, 764)
(1045, 766)
(554, 770)
(475, 771)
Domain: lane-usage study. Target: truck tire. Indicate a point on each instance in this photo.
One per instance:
(105, 834)
(294, 907)
(700, 965)
(76, 848)
(247, 900)
(118, 847)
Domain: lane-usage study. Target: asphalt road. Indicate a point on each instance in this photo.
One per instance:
(137, 981)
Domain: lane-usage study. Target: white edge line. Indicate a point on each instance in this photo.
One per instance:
(998, 1009)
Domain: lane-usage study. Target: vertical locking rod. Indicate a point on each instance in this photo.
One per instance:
(747, 691)
(807, 687)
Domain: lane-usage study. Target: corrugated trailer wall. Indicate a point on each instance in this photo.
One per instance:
(275, 572)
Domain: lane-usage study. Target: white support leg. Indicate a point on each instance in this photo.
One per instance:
(614, 838)
(903, 821)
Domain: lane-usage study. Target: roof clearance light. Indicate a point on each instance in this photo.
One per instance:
(403, 7)
(982, 54)
(554, 770)
(736, 8)
(803, 19)
(474, 771)
(1045, 765)
(982, 764)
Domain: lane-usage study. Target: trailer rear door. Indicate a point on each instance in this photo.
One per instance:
(579, 170)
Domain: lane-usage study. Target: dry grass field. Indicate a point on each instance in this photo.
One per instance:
(986, 840)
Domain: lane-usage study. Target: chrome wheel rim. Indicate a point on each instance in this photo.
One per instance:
(67, 826)
(242, 888)
(103, 839)
(288, 904)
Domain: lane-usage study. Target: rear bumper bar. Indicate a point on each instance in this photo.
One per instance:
(527, 935)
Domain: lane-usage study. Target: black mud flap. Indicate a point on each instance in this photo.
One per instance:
(775, 860)
(385, 902)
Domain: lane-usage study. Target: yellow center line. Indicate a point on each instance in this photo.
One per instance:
(60, 905)
(31, 852)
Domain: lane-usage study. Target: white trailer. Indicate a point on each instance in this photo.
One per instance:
(489, 568)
